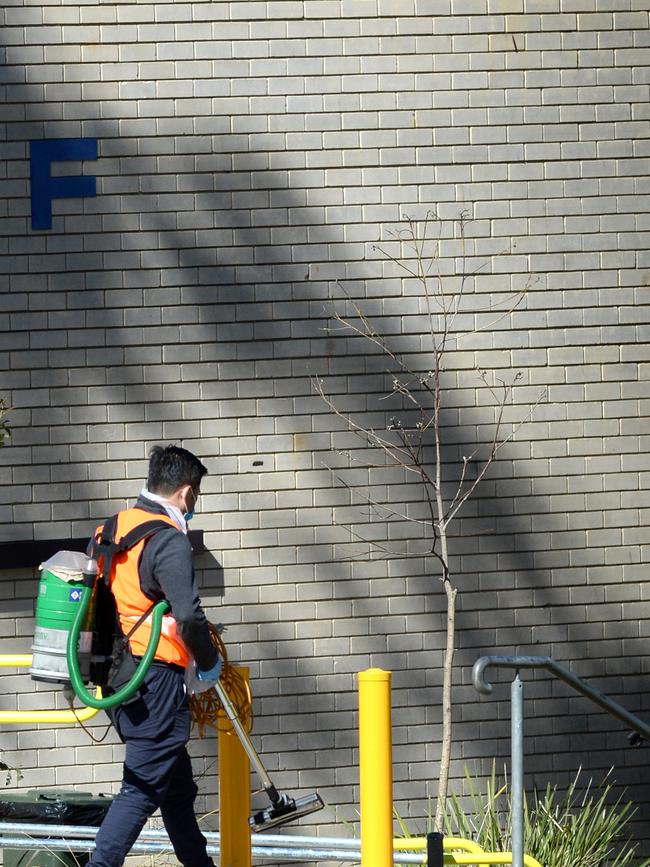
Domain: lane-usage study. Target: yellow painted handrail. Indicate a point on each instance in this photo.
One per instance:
(419, 844)
(473, 853)
(487, 858)
(461, 843)
(16, 660)
(17, 717)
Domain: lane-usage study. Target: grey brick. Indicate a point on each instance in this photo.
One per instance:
(177, 307)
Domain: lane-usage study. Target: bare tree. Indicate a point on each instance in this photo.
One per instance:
(413, 439)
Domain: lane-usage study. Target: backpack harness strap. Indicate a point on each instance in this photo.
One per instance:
(104, 545)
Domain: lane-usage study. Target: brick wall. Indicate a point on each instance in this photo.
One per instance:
(249, 157)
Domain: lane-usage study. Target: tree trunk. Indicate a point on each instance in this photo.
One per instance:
(445, 746)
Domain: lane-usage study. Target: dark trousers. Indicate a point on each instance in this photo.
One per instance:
(157, 773)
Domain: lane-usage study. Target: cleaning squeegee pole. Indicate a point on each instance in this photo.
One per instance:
(246, 743)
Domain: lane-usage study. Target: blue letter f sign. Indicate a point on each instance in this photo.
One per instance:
(45, 188)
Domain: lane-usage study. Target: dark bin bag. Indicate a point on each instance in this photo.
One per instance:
(55, 808)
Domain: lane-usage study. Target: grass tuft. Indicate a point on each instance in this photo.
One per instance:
(582, 827)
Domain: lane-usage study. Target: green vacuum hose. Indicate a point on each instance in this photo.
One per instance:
(129, 688)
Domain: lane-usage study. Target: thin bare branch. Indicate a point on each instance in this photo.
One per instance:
(375, 504)
(421, 396)
(496, 447)
(372, 437)
(383, 547)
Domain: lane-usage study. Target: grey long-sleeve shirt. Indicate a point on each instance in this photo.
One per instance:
(166, 572)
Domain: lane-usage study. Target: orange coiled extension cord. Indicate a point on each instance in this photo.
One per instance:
(205, 708)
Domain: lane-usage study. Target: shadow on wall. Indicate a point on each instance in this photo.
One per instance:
(509, 605)
(180, 305)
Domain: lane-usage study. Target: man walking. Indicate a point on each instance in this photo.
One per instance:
(155, 727)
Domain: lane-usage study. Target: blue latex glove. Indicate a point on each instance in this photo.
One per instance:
(213, 673)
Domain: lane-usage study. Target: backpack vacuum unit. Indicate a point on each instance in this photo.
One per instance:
(69, 648)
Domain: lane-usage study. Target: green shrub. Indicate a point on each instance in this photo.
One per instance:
(583, 827)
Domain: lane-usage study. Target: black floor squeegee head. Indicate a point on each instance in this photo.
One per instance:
(283, 808)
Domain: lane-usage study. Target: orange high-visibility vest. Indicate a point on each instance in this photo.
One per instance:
(131, 601)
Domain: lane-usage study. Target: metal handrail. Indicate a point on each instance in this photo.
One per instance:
(550, 665)
(517, 723)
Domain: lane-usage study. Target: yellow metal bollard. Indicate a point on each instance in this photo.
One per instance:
(375, 768)
(234, 797)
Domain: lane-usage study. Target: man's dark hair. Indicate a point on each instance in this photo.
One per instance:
(172, 467)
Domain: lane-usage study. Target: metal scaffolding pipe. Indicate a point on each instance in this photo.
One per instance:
(71, 838)
(159, 834)
(75, 845)
(149, 847)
